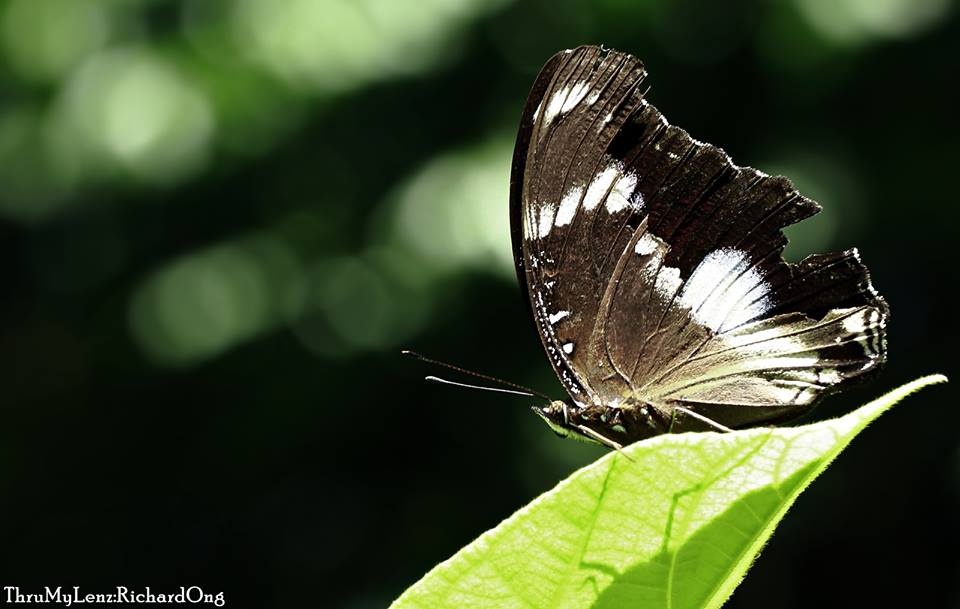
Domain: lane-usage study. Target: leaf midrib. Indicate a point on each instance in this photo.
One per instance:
(577, 560)
(697, 500)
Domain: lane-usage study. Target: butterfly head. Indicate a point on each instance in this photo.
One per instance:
(557, 416)
(572, 421)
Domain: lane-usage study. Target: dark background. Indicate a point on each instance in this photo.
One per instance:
(221, 220)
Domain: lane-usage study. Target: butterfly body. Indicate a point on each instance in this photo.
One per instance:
(653, 270)
(619, 425)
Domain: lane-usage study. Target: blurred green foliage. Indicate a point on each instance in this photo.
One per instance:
(220, 220)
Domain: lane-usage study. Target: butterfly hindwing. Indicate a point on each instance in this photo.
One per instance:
(653, 263)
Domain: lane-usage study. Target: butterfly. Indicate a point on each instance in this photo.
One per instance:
(654, 272)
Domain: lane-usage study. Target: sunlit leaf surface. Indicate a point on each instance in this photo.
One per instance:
(675, 525)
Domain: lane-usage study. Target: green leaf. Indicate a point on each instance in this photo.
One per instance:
(676, 525)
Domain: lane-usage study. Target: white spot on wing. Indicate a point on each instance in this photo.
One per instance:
(668, 282)
(646, 245)
(854, 324)
(545, 220)
(568, 206)
(600, 185)
(565, 99)
(619, 197)
(665, 279)
(829, 376)
(568, 348)
(577, 93)
(716, 292)
(555, 317)
(554, 105)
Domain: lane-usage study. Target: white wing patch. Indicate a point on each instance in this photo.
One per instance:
(555, 317)
(787, 359)
(724, 291)
(613, 185)
(716, 292)
(646, 245)
(668, 282)
(545, 221)
(855, 324)
(566, 99)
(665, 279)
(601, 185)
(619, 197)
(568, 206)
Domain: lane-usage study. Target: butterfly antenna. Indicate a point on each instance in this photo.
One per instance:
(437, 379)
(518, 389)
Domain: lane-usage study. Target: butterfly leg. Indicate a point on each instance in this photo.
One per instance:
(603, 440)
(600, 437)
(697, 416)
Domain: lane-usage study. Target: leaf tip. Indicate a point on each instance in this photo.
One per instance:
(925, 381)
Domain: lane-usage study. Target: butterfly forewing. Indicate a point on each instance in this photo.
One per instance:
(653, 264)
(559, 184)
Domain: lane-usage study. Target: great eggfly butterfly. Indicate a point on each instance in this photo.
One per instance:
(654, 271)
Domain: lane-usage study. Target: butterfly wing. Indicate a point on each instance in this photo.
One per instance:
(653, 264)
(565, 245)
